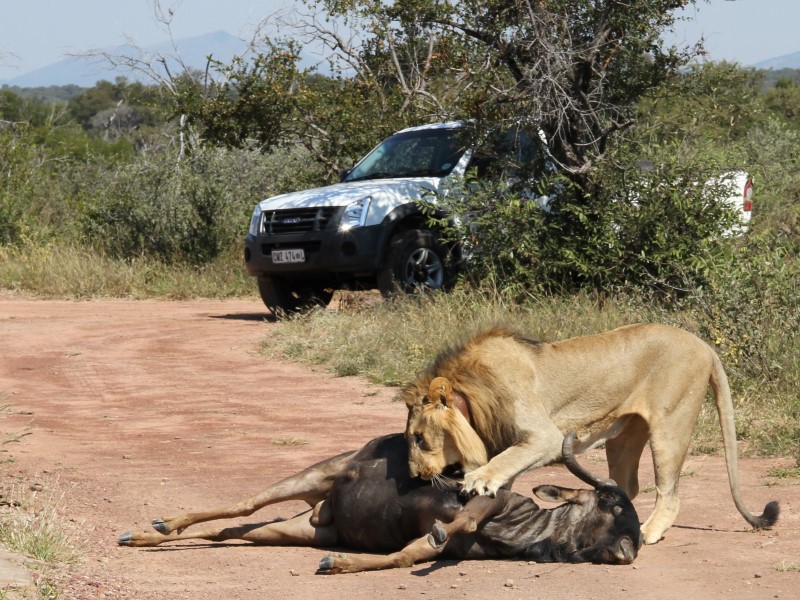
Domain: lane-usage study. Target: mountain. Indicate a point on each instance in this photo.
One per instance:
(86, 71)
(787, 61)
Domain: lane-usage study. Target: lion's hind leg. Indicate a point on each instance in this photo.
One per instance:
(669, 445)
(623, 453)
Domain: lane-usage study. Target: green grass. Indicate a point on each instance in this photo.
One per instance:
(782, 473)
(31, 524)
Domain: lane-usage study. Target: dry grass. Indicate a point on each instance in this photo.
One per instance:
(291, 441)
(31, 522)
(49, 271)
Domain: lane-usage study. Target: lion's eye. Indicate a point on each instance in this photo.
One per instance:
(419, 441)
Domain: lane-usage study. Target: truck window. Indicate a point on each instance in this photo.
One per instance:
(421, 153)
(510, 156)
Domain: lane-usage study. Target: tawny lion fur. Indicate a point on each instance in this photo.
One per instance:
(502, 397)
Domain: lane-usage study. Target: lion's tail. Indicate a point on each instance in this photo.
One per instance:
(722, 396)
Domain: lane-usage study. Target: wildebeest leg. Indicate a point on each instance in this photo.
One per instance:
(310, 485)
(417, 551)
(623, 453)
(424, 548)
(298, 531)
(477, 510)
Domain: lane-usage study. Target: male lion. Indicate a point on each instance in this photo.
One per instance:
(499, 404)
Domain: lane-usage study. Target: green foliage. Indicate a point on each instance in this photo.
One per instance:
(340, 120)
(651, 222)
(251, 104)
(46, 94)
(153, 205)
(13, 171)
(784, 101)
(664, 226)
(191, 210)
(636, 232)
(115, 107)
(751, 312)
(772, 152)
(773, 76)
(268, 102)
(709, 103)
(16, 109)
(109, 120)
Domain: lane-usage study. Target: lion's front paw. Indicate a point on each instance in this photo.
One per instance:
(475, 484)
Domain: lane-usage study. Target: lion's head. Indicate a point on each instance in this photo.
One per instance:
(439, 433)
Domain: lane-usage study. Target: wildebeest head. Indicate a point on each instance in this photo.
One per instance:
(598, 525)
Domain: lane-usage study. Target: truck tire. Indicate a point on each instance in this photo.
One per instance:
(415, 262)
(282, 297)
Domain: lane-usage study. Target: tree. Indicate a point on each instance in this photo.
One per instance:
(784, 101)
(573, 69)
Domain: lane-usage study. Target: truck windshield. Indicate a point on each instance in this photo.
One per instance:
(420, 153)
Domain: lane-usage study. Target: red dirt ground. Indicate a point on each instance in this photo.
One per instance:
(146, 409)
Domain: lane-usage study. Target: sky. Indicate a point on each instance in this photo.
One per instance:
(36, 33)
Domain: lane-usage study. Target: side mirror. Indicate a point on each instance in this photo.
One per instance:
(344, 173)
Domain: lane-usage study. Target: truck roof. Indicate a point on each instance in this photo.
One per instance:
(442, 125)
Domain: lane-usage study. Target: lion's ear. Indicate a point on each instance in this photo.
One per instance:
(440, 391)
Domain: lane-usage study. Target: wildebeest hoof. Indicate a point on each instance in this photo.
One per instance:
(438, 535)
(160, 526)
(327, 566)
(125, 539)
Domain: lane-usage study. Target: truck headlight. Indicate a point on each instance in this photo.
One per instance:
(255, 221)
(355, 214)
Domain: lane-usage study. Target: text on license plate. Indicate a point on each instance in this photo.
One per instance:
(288, 256)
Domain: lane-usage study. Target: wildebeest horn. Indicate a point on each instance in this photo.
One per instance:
(567, 451)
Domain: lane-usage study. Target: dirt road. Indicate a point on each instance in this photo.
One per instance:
(146, 409)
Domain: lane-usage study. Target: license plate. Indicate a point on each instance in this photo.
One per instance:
(288, 256)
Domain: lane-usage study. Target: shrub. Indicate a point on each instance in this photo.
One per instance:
(192, 210)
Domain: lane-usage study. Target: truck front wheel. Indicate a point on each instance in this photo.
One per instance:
(284, 297)
(415, 261)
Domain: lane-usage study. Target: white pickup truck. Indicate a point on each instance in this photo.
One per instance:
(367, 231)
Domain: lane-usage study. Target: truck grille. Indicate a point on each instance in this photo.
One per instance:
(297, 220)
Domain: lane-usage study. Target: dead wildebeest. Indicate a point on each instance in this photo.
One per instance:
(367, 501)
